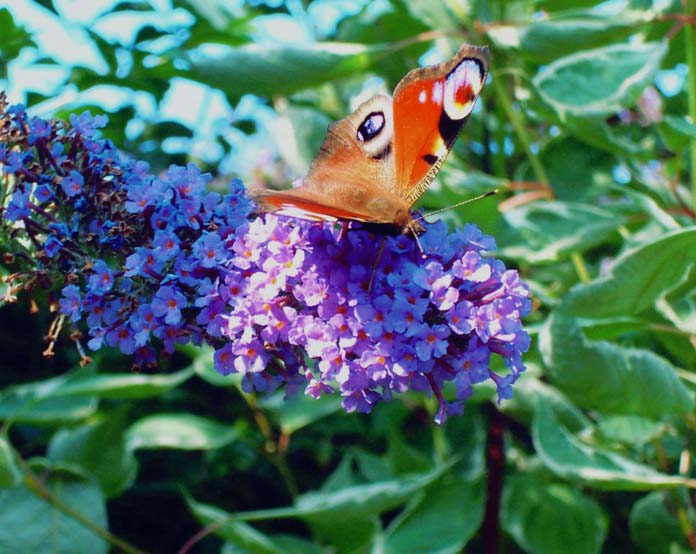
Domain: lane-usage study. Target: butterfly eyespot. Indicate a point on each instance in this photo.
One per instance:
(462, 87)
(371, 126)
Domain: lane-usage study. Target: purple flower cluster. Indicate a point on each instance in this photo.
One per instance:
(304, 312)
(128, 249)
(146, 262)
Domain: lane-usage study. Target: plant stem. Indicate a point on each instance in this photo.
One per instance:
(518, 125)
(678, 497)
(275, 453)
(580, 267)
(34, 484)
(495, 465)
(690, 42)
(515, 118)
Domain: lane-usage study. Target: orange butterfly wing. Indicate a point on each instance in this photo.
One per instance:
(430, 106)
(375, 163)
(306, 205)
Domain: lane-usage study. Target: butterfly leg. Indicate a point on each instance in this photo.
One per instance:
(344, 227)
(414, 231)
(380, 252)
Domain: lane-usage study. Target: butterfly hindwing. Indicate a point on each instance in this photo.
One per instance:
(430, 107)
(351, 176)
(304, 205)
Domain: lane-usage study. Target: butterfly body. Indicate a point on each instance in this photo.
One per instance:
(375, 163)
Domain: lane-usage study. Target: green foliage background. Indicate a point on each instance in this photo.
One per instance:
(598, 196)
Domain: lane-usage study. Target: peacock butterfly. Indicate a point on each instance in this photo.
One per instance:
(375, 163)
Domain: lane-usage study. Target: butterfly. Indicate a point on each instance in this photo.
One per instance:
(375, 163)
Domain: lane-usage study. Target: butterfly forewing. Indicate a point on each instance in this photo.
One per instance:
(375, 163)
(430, 107)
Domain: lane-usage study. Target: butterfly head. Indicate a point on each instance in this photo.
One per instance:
(408, 224)
(390, 208)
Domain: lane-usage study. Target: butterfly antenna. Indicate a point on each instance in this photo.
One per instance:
(458, 204)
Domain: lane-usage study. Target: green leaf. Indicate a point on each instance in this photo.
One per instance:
(372, 498)
(386, 23)
(569, 458)
(106, 49)
(554, 230)
(530, 392)
(238, 533)
(232, 527)
(10, 475)
(121, 385)
(343, 476)
(373, 467)
(73, 396)
(630, 430)
(378, 24)
(346, 515)
(578, 173)
(456, 185)
(681, 125)
(646, 204)
(218, 22)
(546, 40)
(351, 534)
(29, 524)
(563, 5)
(637, 278)
(99, 447)
(607, 377)
(181, 431)
(299, 133)
(51, 411)
(597, 133)
(444, 520)
(299, 411)
(435, 14)
(613, 327)
(38, 403)
(404, 458)
(155, 80)
(14, 38)
(600, 81)
(466, 435)
(283, 544)
(678, 304)
(271, 69)
(547, 518)
(653, 528)
(677, 346)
